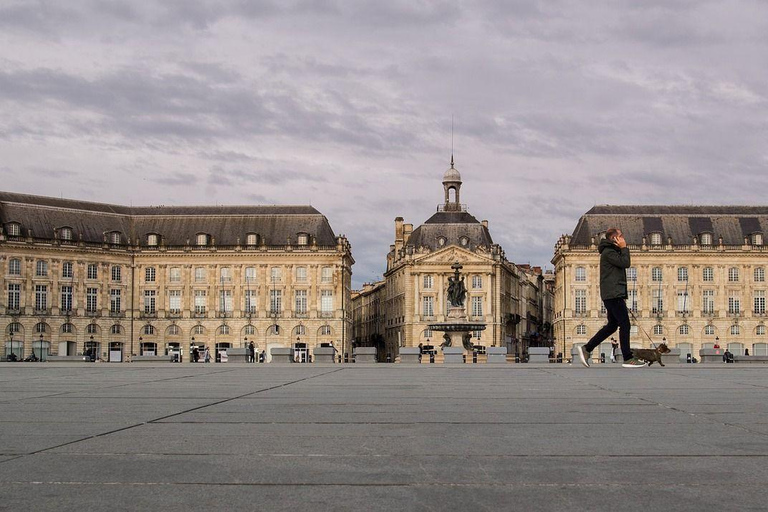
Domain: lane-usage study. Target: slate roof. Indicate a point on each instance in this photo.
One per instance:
(176, 224)
(681, 223)
(453, 226)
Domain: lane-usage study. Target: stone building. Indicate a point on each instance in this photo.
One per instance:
(114, 281)
(697, 277)
(368, 319)
(418, 266)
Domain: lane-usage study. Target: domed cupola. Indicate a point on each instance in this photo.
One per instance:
(452, 182)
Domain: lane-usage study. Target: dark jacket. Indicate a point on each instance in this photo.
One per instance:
(613, 275)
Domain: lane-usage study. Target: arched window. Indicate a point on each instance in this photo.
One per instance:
(92, 329)
(152, 240)
(581, 330)
(201, 239)
(174, 330)
(41, 327)
(251, 239)
(149, 329)
(300, 330)
(115, 238)
(735, 330)
(655, 238)
(14, 328)
(709, 330)
(116, 329)
(302, 239)
(325, 330)
(249, 330)
(658, 329)
(706, 239)
(198, 329)
(684, 329)
(67, 329)
(760, 330)
(224, 330)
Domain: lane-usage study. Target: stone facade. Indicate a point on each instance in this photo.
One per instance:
(368, 320)
(118, 282)
(697, 277)
(419, 264)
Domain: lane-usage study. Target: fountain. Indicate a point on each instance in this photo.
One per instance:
(457, 330)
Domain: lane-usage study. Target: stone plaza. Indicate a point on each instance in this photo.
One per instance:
(382, 437)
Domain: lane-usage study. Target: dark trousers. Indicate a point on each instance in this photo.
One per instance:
(618, 318)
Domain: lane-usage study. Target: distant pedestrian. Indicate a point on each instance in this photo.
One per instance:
(746, 351)
(252, 352)
(195, 354)
(207, 355)
(614, 346)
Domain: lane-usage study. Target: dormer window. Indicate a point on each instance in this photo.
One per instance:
(251, 239)
(706, 239)
(152, 240)
(14, 229)
(201, 240)
(757, 239)
(115, 238)
(655, 238)
(302, 239)
(65, 234)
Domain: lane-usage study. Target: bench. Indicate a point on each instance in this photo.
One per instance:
(751, 359)
(68, 359)
(364, 355)
(151, 359)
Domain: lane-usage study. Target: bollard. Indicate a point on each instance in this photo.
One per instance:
(346, 357)
(474, 356)
(389, 357)
(688, 358)
(602, 357)
(431, 357)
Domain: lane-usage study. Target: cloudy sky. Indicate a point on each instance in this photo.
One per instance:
(557, 105)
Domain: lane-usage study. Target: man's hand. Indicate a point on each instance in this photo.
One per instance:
(620, 241)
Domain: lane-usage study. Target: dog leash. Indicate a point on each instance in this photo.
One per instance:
(641, 327)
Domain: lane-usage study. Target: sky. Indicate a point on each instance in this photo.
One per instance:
(556, 106)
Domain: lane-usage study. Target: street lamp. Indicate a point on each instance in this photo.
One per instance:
(247, 350)
(41, 347)
(93, 350)
(6, 350)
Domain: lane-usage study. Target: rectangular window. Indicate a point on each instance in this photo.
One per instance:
(682, 274)
(14, 296)
(93, 271)
(66, 270)
(200, 302)
(427, 306)
(759, 275)
(91, 296)
(581, 274)
(66, 298)
(301, 274)
(656, 275)
(275, 302)
(41, 269)
(250, 301)
(477, 282)
(632, 274)
(14, 267)
(174, 301)
(326, 301)
(149, 274)
(708, 301)
(657, 304)
(199, 274)
(117, 274)
(114, 300)
(760, 302)
(174, 274)
(580, 303)
(225, 301)
(41, 297)
(327, 275)
(301, 302)
(477, 306)
(275, 274)
(226, 275)
(631, 300)
(149, 301)
(250, 275)
(734, 304)
(429, 282)
(708, 274)
(683, 302)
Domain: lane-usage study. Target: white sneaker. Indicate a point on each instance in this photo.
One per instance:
(584, 356)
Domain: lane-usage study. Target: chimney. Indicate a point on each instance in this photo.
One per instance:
(485, 224)
(407, 230)
(398, 233)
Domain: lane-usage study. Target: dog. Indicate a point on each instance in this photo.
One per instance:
(651, 355)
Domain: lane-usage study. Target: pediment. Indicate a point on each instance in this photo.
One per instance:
(451, 254)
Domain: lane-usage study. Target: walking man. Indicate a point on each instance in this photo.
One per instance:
(614, 260)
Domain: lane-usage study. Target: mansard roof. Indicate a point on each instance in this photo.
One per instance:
(176, 224)
(681, 223)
